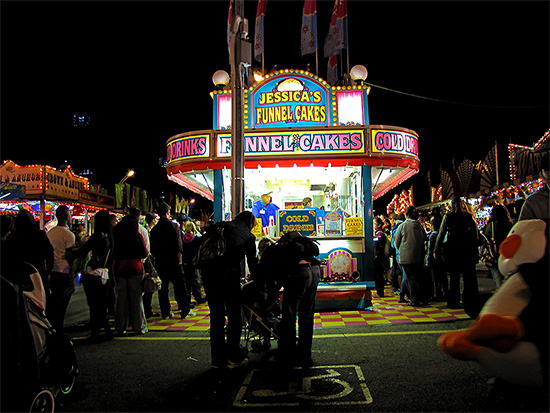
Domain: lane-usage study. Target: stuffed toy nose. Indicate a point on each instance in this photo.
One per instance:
(510, 245)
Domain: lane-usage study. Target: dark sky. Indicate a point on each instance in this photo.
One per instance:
(143, 71)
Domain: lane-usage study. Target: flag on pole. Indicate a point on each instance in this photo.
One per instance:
(309, 27)
(229, 21)
(332, 70)
(259, 30)
(337, 36)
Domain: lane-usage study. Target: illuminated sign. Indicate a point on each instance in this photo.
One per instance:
(334, 223)
(300, 220)
(289, 100)
(188, 147)
(39, 179)
(354, 226)
(393, 141)
(295, 143)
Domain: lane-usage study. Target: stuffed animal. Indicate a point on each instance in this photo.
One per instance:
(509, 338)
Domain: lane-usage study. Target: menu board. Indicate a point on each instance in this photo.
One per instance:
(300, 220)
(334, 223)
(257, 230)
(354, 226)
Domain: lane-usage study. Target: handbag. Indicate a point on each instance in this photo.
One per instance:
(101, 272)
(151, 280)
(489, 256)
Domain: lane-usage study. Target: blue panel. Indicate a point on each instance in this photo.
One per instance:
(368, 262)
(218, 193)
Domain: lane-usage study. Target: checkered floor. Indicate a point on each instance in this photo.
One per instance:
(385, 310)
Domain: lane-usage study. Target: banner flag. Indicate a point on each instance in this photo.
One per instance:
(309, 27)
(229, 20)
(337, 36)
(332, 70)
(259, 30)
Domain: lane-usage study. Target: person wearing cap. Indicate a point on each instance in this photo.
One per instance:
(264, 208)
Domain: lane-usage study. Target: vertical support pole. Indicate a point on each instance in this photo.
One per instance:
(43, 200)
(218, 195)
(237, 131)
(496, 163)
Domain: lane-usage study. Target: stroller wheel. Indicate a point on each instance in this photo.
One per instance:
(43, 402)
(255, 346)
(66, 383)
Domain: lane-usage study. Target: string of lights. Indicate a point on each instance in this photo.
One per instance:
(453, 102)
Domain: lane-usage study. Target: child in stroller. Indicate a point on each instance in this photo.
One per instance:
(37, 362)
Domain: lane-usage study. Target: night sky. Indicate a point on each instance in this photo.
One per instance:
(142, 72)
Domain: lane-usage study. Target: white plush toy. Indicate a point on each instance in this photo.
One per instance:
(509, 338)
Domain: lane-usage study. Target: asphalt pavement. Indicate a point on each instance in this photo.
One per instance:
(386, 368)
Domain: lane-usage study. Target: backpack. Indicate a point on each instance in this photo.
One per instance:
(214, 244)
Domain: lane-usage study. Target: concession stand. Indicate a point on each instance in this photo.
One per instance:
(304, 138)
(41, 188)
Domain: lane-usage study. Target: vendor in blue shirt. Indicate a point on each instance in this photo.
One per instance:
(320, 213)
(264, 208)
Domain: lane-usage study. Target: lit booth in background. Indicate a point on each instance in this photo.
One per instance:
(42, 188)
(304, 138)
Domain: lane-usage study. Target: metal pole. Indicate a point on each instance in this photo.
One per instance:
(237, 130)
(496, 162)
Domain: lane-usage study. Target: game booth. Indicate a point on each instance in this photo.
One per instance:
(41, 189)
(304, 139)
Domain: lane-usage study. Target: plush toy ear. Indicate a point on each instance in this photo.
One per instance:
(526, 244)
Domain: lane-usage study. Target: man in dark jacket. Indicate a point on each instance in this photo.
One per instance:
(221, 278)
(166, 248)
(457, 244)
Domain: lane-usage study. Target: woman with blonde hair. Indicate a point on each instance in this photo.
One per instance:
(191, 243)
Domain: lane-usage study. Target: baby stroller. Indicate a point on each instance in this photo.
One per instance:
(37, 362)
(261, 315)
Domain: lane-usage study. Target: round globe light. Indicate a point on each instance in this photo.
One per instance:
(358, 72)
(221, 78)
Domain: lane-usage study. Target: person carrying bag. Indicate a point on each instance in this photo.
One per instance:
(151, 280)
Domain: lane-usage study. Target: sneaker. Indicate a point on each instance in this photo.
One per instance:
(149, 315)
(165, 317)
(191, 313)
(242, 363)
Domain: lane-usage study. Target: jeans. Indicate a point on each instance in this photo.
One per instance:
(470, 294)
(192, 282)
(413, 274)
(96, 296)
(299, 294)
(129, 305)
(172, 273)
(62, 288)
(223, 292)
(404, 285)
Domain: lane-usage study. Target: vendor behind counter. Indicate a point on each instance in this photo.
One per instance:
(264, 208)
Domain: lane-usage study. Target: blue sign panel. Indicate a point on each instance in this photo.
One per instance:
(301, 220)
(289, 100)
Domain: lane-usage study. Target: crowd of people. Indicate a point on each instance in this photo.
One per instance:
(424, 258)
(433, 250)
(112, 262)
